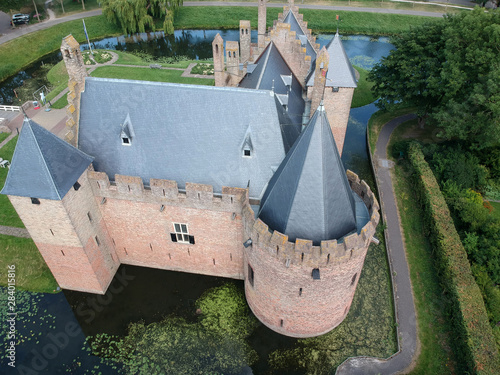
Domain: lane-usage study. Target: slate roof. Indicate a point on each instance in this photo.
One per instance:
(340, 71)
(185, 133)
(273, 73)
(295, 26)
(309, 196)
(43, 166)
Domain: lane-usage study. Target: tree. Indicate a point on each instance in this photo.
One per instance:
(136, 15)
(411, 72)
(449, 70)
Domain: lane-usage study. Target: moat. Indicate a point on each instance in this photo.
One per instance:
(152, 295)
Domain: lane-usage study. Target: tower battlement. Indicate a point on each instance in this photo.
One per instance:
(287, 283)
(303, 252)
(159, 191)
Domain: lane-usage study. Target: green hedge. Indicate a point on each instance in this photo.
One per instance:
(474, 334)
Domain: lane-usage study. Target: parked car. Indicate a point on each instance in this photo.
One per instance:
(19, 18)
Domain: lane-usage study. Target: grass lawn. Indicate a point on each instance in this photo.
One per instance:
(3, 136)
(8, 215)
(31, 271)
(146, 74)
(363, 93)
(72, 6)
(434, 330)
(125, 58)
(58, 78)
(318, 20)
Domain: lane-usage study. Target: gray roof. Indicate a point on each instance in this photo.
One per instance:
(185, 133)
(340, 71)
(43, 166)
(300, 34)
(309, 196)
(273, 73)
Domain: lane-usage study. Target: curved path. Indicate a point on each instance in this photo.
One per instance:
(403, 295)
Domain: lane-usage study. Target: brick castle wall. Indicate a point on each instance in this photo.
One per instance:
(338, 108)
(70, 250)
(284, 295)
(140, 222)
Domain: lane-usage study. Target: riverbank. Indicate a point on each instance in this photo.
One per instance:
(23, 51)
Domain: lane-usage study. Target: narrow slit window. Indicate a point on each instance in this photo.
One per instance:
(354, 279)
(97, 241)
(281, 323)
(89, 216)
(300, 292)
(62, 252)
(250, 275)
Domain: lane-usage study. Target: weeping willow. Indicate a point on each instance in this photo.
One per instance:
(135, 15)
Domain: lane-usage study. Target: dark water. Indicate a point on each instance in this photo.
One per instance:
(152, 294)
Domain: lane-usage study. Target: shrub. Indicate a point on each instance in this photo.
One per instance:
(474, 335)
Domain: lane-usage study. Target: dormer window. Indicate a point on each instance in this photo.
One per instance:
(127, 132)
(247, 145)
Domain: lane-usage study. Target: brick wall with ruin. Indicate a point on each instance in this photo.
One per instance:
(140, 221)
(279, 285)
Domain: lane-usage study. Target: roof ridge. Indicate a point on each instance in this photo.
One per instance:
(43, 159)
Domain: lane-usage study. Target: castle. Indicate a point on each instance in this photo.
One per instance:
(242, 180)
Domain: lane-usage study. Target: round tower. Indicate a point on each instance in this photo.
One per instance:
(301, 290)
(305, 251)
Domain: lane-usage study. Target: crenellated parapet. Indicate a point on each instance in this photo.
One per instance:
(166, 192)
(329, 253)
(300, 20)
(291, 49)
(298, 289)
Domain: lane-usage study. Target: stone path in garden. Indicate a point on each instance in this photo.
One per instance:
(16, 232)
(403, 294)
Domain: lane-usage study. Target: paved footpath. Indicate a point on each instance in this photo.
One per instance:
(16, 232)
(403, 295)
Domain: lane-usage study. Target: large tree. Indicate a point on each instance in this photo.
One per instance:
(135, 15)
(450, 70)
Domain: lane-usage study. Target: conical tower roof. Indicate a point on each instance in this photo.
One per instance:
(340, 71)
(43, 166)
(309, 196)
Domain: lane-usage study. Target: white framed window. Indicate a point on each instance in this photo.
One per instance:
(181, 234)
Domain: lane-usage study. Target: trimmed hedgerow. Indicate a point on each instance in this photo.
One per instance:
(474, 340)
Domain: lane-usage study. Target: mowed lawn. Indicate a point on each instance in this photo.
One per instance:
(147, 74)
